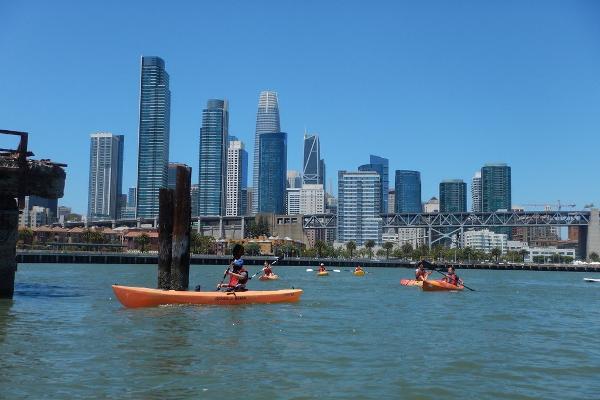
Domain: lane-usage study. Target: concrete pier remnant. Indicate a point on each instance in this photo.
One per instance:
(593, 233)
(165, 237)
(180, 267)
(20, 177)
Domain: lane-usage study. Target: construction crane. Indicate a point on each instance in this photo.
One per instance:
(559, 205)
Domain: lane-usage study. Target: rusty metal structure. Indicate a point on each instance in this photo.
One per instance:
(20, 177)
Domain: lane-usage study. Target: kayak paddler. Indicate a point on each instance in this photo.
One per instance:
(322, 268)
(420, 273)
(238, 276)
(267, 271)
(358, 268)
(452, 278)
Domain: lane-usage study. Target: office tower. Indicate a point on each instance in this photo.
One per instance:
(272, 167)
(294, 180)
(476, 192)
(212, 170)
(237, 178)
(132, 197)
(153, 136)
(453, 196)
(495, 187)
(106, 176)
(322, 171)
(249, 200)
(359, 197)
(312, 199)
(379, 165)
(312, 162)
(267, 121)
(194, 195)
(292, 204)
(172, 174)
(408, 191)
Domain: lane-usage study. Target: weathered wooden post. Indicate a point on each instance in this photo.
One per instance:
(20, 177)
(180, 267)
(165, 237)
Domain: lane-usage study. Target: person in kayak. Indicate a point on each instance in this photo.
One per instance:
(420, 273)
(358, 268)
(322, 268)
(238, 276)
(267, 271)
(452, 278)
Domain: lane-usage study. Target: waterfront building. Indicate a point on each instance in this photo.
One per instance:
(132, 197)
(432, 205)
(495, 187)
(292, 203)
(359, 197)
(267, 121)
(541, 254)
(272, 170)
(237, 178)
(476, 192)
(408, 191)
(105, 176)
(195, 197)
(172, 174)
(294, 179)
(391, 201)
(153, 135)
(416, 237)
(312, 199)
(379, 165)
(212, 168)
(485, 240)
(312, 162)
(453, 196)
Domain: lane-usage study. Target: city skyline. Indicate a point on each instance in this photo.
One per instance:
(478, 91)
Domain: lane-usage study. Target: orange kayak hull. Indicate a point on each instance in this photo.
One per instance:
(411, 282)
(135, 297)
(436, 286)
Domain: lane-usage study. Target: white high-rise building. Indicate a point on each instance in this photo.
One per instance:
(106, 176)
(432, 205)
(237, 166)
(476, 196)
(292, 204)
(312, 199)
(485, 240)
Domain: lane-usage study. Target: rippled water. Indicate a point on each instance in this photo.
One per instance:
(522, 335)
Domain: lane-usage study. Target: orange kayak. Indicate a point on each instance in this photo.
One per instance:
(411, 282)
(271, 277)
(134, 297)
(433, 286)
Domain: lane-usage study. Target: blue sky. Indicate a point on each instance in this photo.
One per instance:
(438, 86)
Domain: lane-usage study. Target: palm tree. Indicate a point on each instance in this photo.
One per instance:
(369, 244)
(523, 253)
(388, 246)
(351, 246)
(496, 252)
(320, 246)
(142, 242)
(407, 250)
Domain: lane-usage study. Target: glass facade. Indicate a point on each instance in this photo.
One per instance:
(359, 197)
(476, 192)
(273, 167)
(153, 135)
(408, 191)
(453, 196)
(212, 170)
(385, 179)
(495, 187)
(267, 121)
(106, 176)
(311, 164)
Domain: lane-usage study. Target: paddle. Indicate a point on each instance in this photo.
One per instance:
(436, 270)
(312, 270)
(224, 276)
(274, 262)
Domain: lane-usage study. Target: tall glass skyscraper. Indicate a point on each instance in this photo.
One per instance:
(408, 191)
(476, 192)
(106, 176)
(359, 197)
(381, 166)
(267, 121)
(453, 196)
(495, 187)
(212, 170)
(273, 167)
(311, 165)
(153, 136)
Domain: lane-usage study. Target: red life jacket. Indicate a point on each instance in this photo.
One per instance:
(268, 271)
(452, 279)
(420, 275)
(234, 280)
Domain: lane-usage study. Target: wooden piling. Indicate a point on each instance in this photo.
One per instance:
(9, 220)
(165, 237)
(180, 266)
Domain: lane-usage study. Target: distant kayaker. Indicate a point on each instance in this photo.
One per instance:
(322, 268)
(267, 269)
(358, 268)
(420, 273)
(238, 276)
(452, 278)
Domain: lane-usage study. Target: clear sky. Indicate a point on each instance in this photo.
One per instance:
(437, 86)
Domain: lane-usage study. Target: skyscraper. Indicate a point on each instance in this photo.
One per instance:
(381, 166)
(476, 192)
(194, 199)
(132, 197)
(237, 178)
(408, 191)
(272, 178)
(267, 121)
(212, 170)
(359, 197)
(312, 162)
(495, 187)
(153, 136)
(294, 180)
(172, 174)
(106, 176)
(453, 196)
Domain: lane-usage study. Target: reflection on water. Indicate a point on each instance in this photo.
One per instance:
(45, 290)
